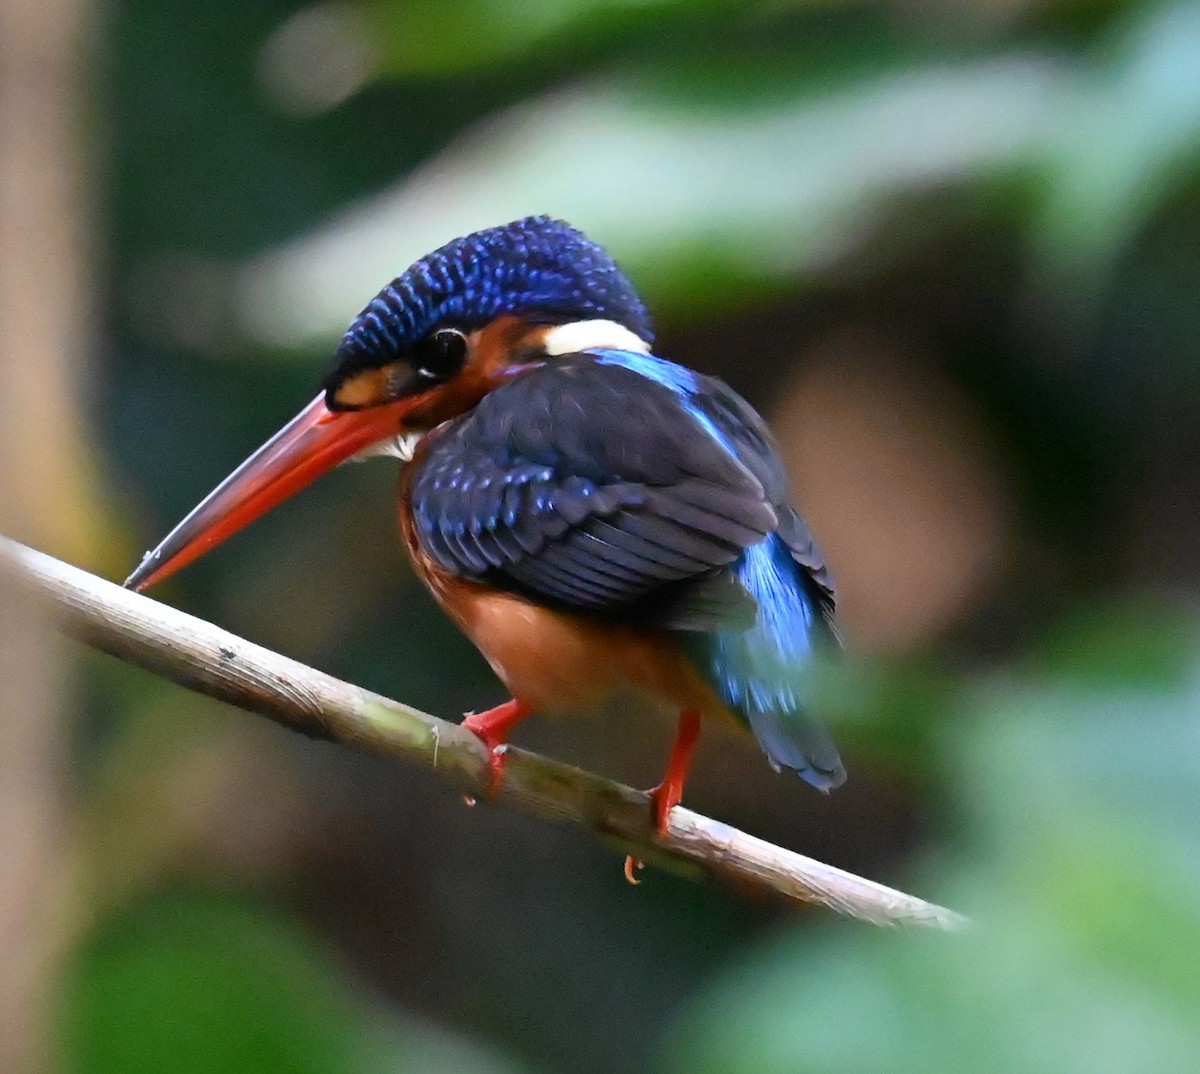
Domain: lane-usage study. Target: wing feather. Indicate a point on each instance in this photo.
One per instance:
(590, 485)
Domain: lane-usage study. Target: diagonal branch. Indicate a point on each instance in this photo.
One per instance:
(212, 661)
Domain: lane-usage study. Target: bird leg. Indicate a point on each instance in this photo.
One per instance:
(667, 794)
(492, 727)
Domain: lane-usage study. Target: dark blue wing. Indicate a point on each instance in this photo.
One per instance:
(593, 485)
(759, 667)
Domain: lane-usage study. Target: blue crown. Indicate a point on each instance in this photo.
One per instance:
(538, 266)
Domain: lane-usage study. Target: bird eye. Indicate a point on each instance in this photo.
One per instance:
(443, 354)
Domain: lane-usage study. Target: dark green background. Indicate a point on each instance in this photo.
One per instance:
(952, 250)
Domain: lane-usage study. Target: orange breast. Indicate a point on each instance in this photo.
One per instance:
(560, 661)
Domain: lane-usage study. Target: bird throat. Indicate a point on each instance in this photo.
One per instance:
(402, 447)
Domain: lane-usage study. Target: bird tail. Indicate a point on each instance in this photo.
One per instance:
(763, 672)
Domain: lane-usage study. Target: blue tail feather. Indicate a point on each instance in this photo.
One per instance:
(762, 672)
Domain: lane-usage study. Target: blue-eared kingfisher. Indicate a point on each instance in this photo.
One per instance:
(601, 522)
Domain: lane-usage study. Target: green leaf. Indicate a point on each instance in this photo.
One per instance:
(204, 985)
(1134, 642)
(453, 37)
(1126, 137)
(201, 984)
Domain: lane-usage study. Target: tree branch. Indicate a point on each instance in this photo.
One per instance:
(211, 661)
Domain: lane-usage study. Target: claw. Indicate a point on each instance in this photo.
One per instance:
(667, 794)
(497, 755)
(663, 799)
(492, 728)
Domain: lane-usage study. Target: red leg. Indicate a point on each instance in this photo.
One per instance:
(667, 794)
(493, 727)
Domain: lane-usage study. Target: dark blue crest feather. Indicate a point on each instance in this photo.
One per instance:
(538, 266)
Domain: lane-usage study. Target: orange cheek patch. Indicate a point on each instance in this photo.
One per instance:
(493, 352)
(507, 340)
(368, 388)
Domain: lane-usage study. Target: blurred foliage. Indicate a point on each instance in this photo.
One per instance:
(209, 985)
(199, 984)
(1079, 862)
(770, 160)
(995, 205)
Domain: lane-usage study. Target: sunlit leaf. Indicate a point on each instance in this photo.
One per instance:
(1129, 133)
(428, 37)
(769, 192)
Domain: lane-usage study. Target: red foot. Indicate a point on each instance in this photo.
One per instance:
(667, 794)
(663, 799)
(493, 727)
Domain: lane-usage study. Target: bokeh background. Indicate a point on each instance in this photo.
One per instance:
(951, 248)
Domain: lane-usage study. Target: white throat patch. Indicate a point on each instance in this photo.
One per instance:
(399, 447)
(591, 336)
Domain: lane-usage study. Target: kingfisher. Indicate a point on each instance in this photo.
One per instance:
(603, 524)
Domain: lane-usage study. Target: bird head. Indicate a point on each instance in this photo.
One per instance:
(427, 348)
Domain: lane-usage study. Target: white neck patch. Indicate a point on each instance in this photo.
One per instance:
(562, 339)
(591, 336)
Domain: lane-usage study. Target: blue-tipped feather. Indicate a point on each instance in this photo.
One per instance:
(762, 672)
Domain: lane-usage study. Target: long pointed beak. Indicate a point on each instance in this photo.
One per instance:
(312, 443)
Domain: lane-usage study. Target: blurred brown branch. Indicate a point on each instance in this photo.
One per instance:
(209, 660)
(45, 194)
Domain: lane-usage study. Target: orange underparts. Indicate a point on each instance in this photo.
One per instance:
(493, 728)
(667, 794)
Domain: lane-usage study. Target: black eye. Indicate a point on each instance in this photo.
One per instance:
(442, 354)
